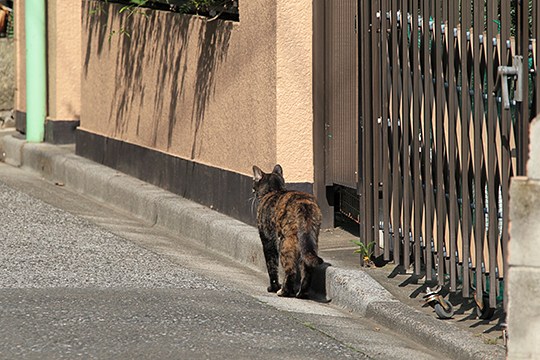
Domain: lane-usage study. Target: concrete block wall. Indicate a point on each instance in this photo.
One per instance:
(524, 257)
(7, 74)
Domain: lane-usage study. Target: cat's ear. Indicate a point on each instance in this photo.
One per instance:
(257, 173)
(278, 170)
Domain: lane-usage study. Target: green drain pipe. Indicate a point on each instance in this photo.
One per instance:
(36, 70)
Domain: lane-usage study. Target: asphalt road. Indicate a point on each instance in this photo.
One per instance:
(79, 279)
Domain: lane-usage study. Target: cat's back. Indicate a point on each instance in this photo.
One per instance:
(289, 206)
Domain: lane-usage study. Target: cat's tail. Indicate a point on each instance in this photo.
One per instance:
(308, 248)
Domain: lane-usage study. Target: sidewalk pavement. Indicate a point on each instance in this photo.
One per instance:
(392, 299)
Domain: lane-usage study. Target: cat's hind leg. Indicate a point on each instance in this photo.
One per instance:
(271, 256)
(288, 258)
(287, 289)
(305, 281)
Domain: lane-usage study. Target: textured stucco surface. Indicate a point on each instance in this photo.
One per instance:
(20, 54)
(525, 227)
(201, 91)
(224, 94)
(524, 263)
(533, 165)
(64, 59)
(7, 74)
(523, 313)
(294, 90)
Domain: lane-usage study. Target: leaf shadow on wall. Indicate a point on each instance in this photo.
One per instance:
(149, 42)
(214, 38)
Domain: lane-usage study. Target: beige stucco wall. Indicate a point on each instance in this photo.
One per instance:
(294, 128)
(523, 280)
(225, 94)
(64, 59)
(20, 53)
(7, 74)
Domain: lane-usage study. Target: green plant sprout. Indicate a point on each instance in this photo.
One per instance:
(134, 7)
(365, 251)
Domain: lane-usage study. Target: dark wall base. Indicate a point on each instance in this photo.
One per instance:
(20, 121)
(224, 191)
(60, 131)
(56, 132)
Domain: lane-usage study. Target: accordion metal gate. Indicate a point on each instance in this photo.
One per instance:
(446, 93)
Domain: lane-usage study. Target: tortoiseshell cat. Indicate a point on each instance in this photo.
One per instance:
(289, 224)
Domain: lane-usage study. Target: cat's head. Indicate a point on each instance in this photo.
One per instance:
(264, 183)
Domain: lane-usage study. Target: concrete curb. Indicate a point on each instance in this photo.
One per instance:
(354, 290)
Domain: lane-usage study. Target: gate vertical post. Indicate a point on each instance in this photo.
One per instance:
(506, 59)
(478, 50)
(416, 171)
(364, 126)
(452, 146)
(376, 119)
(492, 119)
(396, 174)
(405, 126)
(465, 120)
(524, 116)
(384, 123)
(439, 148)
(427, 138)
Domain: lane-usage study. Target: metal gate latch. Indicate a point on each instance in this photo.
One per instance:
(502, 80)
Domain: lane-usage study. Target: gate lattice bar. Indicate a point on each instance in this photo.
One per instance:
(439, 135)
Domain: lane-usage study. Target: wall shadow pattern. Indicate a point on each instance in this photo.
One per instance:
(156, 68)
